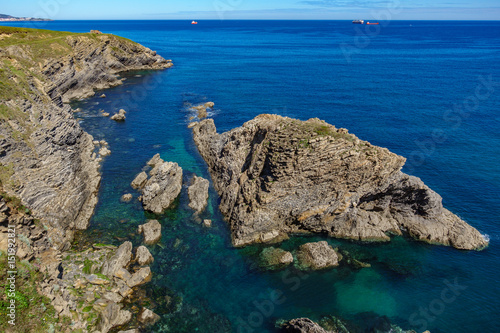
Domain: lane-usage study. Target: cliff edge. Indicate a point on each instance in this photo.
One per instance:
(278, 176)
(46, 159)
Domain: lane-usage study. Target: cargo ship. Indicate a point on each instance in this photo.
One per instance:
(194, 22)
(358, 22)
(372, 23)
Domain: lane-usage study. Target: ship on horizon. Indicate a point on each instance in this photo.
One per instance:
(358, 21)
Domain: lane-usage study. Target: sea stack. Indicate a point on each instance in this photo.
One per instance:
(278, 176)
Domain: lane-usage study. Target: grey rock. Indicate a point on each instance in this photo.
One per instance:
(120, 259)
(151, 231)
(120, 116)
(155, 160)
(94, 279)
(113, 316)
(143, 256)
(207, 223)
(162, 188)
(148, 317)
(140, 180)
(317, 256)
(140, 277)
(198, 194)
(278, 176)
(104, 152)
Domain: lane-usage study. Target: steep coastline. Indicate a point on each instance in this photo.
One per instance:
(47, 160)
(278, 176)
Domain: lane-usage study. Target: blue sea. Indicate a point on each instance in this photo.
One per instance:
(427, 90)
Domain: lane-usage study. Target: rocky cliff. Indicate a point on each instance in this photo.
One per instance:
(46, 159)
(277, 176)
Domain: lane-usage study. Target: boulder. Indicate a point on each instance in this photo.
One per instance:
(120, 116)
(207, 223)
(103, 96)
(151, 231)
(143, 256)
(139, 181)
(316, 256)
(140, 277)
(104, 151)
(198, 194)
(273, 258)
(162, 188)
(94, 279)
(120, 259)
(148, 317)
(113, 316)
(105, 114)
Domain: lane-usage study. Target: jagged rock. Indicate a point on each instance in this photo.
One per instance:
(143, 256)
(103, 96)
(276, 175)
(120, 116)
(151, 231)
(273, 258)
(202, 109)
(140, 180)
(126, 197)
(140, 277)
(123, 274)
(104, 152)
(162, 188)
(207, 223)
(155, 160)
(198, 194)
(105, 114)
(113, 316)
(316, 256)
(113, 297)
(192, 124)
(119, 260)
(148, 317)
(302, 325)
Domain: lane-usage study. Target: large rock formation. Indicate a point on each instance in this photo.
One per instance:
(46, 159)
(317, 255)
(163, 187)
(278, 175)
(302, 325)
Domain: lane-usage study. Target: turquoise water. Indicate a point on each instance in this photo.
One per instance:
(416, 88)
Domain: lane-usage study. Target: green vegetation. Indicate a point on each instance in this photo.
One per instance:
(34, 313)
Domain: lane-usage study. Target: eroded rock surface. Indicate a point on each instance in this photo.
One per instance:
(151, 231)
(198, 194)
(315, 256)
(162, 188)
(278, 175)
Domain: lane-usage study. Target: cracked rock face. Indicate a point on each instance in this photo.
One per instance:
(302, 325)
(276, 175)
(317, 256)
(198, 194)
(162, 188)
(53, 168)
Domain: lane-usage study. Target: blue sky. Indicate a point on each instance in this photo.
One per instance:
(255, 9)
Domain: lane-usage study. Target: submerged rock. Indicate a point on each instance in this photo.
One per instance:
(143, 256)
(162, 188)
(319, 255)
(302, 325)
(148, 317)
(202, 109)
(276, 175)
(275, 258)
(151, 231)
(207, 223)
(126, 197)
(198, 194)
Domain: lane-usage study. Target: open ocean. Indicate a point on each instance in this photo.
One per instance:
(427, 90)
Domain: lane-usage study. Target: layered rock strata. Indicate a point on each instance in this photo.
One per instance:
(277, 176)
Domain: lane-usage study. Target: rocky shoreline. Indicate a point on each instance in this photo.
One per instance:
(278, 176)
(52, 166)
